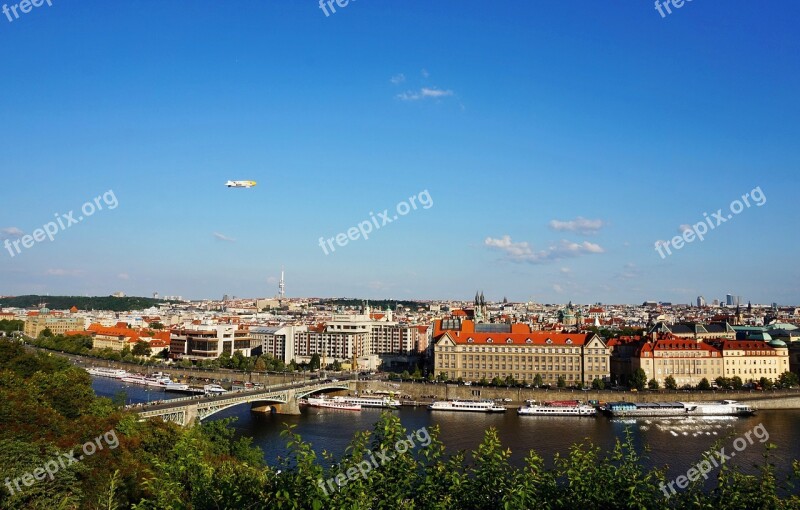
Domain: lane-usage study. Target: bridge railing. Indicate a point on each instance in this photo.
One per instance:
(247, 393)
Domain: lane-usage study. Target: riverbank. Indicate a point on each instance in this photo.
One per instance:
(424, 392)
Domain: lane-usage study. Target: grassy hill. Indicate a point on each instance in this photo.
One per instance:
(123, 304)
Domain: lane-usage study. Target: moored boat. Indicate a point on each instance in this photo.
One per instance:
(475, 406)
(114, 373)
(557, 408)
(333, 403)
(382, 402)
(723, 408)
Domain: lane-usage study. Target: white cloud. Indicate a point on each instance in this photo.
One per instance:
(272, 280)
(124, 276)
(523, 252)
(425, 73)
(10, 233)
(558, 288)
(398, 78)
(683, 228)
(223, 237)
(579, 224)
(424, 93)
(565, 270)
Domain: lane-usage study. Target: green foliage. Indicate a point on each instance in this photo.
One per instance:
(788, 380)
(704, 384)
(652, 384)
(314, 363)
(736, 382)
(47, 407)
(10, 326)
(598, 384)
(114, 304)
(561, 382)
(537, 380)
(638, 379)
(141, 348)
(670, 383)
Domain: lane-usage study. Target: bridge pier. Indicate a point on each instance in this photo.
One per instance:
(290, 407)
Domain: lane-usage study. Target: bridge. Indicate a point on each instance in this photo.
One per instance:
(283, 398)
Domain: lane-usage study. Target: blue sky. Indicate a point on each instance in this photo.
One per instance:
(558, 142)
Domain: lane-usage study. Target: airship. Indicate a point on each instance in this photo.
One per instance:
(240, 184)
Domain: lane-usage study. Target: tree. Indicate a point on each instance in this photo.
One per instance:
(723, 382)
(704, 384)
(765, 383)
(638, 379)
(496, 381)
(736, 382)
(652, 384)
(561, 382)
(598, 384)
(405, 375)
(156, 325)
(337, 366)
(510, 380)
(670, 383)
(225, 360)
(260, 365)
(141, 348)
(787, 380)
(46, 333)
(537, 380)
(314, 363)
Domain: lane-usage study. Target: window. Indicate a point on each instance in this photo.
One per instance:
(508, 340)
(470, 340)
(569, 341)
(548, 341)
(489, 340)
(528, 341)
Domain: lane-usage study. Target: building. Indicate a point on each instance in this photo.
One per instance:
(701, 302)
(688, 361)
(470, 351)
(277, 342)
(695, 330)
(208, 341)
(58, 324)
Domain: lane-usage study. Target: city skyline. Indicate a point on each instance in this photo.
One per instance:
(555, 173)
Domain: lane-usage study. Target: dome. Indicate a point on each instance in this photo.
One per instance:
(777, 343)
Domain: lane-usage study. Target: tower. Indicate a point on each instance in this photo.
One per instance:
(281, 287)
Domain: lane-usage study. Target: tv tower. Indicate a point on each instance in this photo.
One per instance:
(282, 286)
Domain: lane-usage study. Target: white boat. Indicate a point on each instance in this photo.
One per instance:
(213, 389)
(173, 386)
(332, 404)
(114, 373)
(383, 402)
(476, 406)
(158, 381)
(724, 408)
(557, 408)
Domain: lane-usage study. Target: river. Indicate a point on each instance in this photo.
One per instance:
(676, 443)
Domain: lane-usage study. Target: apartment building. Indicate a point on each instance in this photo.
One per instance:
(209, 341)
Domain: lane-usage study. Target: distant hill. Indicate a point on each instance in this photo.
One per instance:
(115, 304)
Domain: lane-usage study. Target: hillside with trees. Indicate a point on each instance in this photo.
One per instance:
(114, 304)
